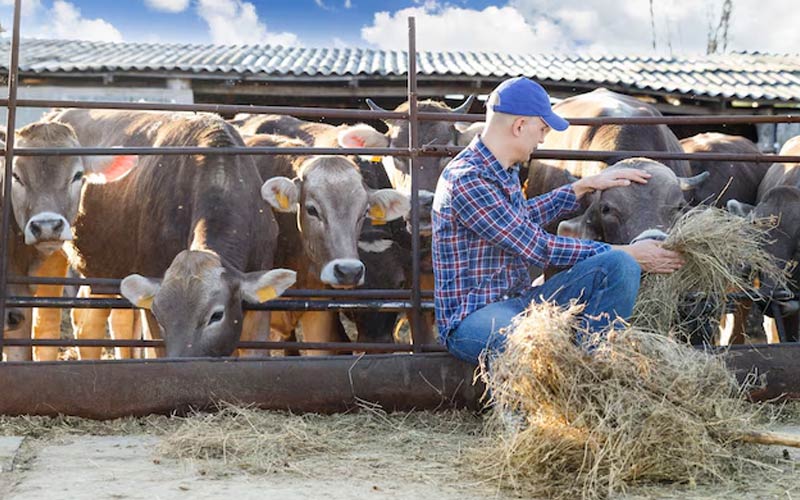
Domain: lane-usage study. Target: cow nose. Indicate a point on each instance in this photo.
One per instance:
(14, 318)
(348, 273)
(49, 227)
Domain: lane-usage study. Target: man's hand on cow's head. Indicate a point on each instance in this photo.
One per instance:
(609, 179)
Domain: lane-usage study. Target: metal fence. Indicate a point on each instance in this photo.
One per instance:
(413, 301)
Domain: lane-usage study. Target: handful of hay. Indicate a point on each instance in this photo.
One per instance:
(716, 246)
(642, 407)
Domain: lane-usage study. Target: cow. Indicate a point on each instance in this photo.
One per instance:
(384, 248)
(776, 197)
(321, 204)
(781, 204)
(728, 180)
(189, 236)
(45, 194)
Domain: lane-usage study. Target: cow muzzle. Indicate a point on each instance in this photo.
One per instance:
(343, 273)
(14, 319)
(47, 228)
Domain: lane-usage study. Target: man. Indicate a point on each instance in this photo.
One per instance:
(485, 234)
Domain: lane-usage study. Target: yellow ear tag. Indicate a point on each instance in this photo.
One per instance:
(266, 293)
(146, 302)
(756, 282)
(283, 200)
(378, 215)
(376, 159)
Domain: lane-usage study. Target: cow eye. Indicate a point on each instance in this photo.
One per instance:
(312, 211)
(216, 317)
(605, 209)
(78, 176)
(16, 178)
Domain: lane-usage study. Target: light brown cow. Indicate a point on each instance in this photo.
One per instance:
(45, 194)
(321, 204)
(199, 222)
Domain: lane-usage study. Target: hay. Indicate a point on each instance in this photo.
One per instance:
(642, 407)
(717, 246)
(419, 446)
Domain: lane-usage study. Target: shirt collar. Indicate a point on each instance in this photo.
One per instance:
(495, 169)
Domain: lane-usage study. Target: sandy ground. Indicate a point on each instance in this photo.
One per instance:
(58, 465)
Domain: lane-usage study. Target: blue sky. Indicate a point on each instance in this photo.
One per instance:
(522, 26)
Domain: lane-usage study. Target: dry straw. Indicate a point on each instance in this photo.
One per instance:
(641, 407)
(717, 246)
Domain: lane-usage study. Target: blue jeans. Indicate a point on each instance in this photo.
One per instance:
(607, 285)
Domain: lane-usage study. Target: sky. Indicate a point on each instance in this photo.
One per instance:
(512, 26)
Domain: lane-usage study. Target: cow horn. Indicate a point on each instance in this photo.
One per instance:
(464, 107)
(373, 106)
(689, 183)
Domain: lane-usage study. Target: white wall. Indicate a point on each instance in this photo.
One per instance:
(133, 94)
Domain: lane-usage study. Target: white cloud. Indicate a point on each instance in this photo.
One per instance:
(29, 7)
(172, 6)
(64, 21)
(587, 26)
(348, 4)
(445, 27)
(234, 22)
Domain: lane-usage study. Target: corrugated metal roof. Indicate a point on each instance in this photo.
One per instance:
(740, 75)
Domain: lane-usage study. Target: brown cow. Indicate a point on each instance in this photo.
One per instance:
(322, 204)
(45, 194)
(728, 180)
(198, 222)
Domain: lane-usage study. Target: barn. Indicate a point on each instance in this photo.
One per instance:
(736, 83)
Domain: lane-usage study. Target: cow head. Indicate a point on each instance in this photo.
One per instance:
(46, 190)
(198, 303)
(445, 133)
(619, 214)
(332, 202)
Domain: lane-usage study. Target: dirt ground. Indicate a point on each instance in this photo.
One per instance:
(375, 456)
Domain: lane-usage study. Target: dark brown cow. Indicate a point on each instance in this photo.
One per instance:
(198, 222)
(619, 214)
(728, 180)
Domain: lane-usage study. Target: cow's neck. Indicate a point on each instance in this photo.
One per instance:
(290, 253)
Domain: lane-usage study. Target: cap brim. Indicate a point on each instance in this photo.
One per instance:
(555, 122)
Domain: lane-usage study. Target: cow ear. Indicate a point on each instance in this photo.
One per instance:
(362, 136)
(739, 208)
(261, 286)
(139, 291)
(467, 131)
(281, 193)
(103, 169)
(387, 204)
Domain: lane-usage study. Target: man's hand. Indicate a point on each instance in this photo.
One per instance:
(608, 179)
(653, 257)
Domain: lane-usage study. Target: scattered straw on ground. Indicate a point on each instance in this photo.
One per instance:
(717, 245)
(641, 407)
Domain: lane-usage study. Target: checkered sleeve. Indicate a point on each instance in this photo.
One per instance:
(482, 208)
(550, 206)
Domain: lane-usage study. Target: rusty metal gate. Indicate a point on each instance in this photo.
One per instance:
(427, 377)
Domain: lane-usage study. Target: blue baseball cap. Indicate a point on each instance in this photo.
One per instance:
(524, 97)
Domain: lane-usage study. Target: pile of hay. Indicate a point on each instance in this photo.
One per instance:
(642, 407)
(717, 246)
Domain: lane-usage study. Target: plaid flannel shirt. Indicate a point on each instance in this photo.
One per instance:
(485, 234)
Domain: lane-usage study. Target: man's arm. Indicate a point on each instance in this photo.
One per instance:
(549, 206)
(481, 207)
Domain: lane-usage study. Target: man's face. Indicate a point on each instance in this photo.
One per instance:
(532, 133)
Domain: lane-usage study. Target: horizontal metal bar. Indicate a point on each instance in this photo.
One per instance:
(212, 108)
(320, 346)
(362, 293)
(430, 150)
(272, 305)
(196, 150)
(634, 120)
(568, 154)
(323, 384)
